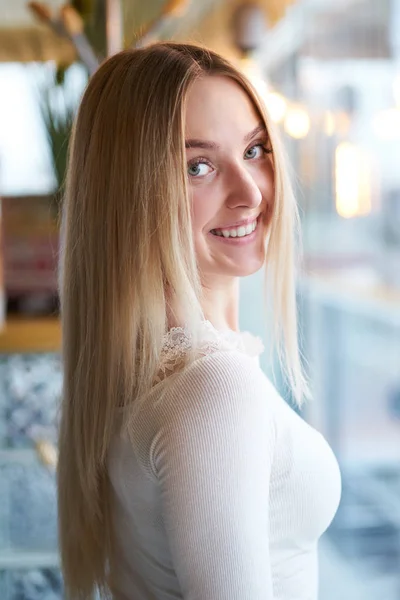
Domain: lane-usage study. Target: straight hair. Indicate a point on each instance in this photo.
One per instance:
(126, 244)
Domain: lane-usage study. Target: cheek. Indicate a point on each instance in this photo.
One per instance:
(202, 211)
(265, 180)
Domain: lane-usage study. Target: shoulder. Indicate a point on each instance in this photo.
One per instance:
(221, 401)
(218, 409)
(220, 385)
(221, 370)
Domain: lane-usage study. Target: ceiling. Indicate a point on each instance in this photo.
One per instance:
(330, 30)
(317, 26)
(358, 30)
(15, 14)
(22, 38)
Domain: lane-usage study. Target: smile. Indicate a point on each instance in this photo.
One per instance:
(233, 232)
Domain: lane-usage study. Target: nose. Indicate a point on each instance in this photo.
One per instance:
(242, 189)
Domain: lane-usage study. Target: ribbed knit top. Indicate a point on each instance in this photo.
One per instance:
(221, 491)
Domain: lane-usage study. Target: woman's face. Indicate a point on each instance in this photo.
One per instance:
(230, 178)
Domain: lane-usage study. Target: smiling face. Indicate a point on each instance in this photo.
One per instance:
(230, 177)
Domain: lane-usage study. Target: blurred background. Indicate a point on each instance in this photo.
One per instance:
(330, 74)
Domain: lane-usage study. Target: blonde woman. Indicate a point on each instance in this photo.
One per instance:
(182, 473)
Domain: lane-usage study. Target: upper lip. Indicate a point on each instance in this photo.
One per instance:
(243, 223)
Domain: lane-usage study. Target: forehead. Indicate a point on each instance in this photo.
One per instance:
(218, 107)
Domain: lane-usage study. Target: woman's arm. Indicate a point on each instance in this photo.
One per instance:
(213, 459)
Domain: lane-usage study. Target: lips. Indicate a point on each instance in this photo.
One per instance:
(241, 223)
(239, 231)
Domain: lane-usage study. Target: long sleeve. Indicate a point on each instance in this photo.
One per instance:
(212, 457)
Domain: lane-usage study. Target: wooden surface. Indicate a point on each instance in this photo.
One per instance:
(30, 335)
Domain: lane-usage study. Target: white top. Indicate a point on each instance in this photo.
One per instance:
(224, 490)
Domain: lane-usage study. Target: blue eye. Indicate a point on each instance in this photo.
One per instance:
(255, 151)
(199, 169)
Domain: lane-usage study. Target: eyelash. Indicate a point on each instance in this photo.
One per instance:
(199, 161)
(267, 150)
(204, 161)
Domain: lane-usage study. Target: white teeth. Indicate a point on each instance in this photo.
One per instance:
(241, 231)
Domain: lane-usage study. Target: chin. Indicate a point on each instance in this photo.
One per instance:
(247, 271)
(242, 269)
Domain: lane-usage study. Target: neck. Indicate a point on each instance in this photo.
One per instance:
(220, 304)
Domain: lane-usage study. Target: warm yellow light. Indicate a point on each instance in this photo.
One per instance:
(260, 85)
(387, 124)
(277, 106)
(352, 179)
(329, 123)
(365, 193)
(343, 123)
(297, 122)
(252, 71)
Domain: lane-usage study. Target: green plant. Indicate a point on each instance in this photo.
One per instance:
(58, 101)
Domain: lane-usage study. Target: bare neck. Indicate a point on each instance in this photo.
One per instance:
(220, 304)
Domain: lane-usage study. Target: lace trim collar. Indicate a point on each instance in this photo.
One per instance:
(179, 340)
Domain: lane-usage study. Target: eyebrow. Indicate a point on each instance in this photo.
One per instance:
(206, 145)
(259, 129)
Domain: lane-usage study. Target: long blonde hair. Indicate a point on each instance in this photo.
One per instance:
(126, 232)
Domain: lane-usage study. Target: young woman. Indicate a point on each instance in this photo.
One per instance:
(182, 473)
